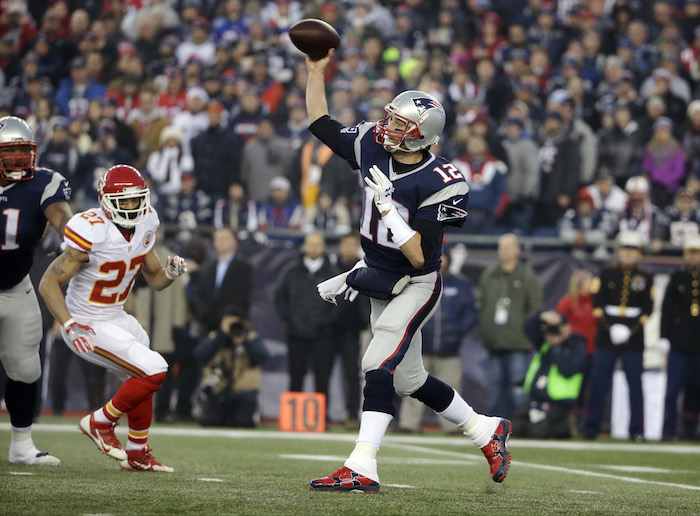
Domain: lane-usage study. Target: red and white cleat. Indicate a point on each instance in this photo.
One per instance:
(102, 434)
(345, 480)
(496, 451)
(142, 460)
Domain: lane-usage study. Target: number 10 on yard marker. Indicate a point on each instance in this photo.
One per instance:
(302, 412)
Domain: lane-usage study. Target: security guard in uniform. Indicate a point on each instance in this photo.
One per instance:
(680, 328)
(622, 303)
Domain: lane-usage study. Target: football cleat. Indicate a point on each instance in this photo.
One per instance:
(33, 458)
(142, 460)
(102, 434)
(496, 451)
(345, 480)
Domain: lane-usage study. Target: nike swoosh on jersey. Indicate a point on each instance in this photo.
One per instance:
(457, 201)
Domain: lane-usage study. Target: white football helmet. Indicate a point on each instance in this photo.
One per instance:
(424, 119)
(17, 166)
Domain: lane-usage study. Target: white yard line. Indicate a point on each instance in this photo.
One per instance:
(418, 444)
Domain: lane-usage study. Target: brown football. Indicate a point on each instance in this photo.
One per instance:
(314, 37)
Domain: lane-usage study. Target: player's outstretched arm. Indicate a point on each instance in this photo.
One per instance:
(159, 277)
(61, 270)
(58, 214)
(316, 103)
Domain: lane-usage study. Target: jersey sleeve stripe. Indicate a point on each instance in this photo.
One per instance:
(357, 145)
(52, 187)
(448, 192)
(77, 239)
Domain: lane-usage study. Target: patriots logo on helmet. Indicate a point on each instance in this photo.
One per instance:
(424, 103)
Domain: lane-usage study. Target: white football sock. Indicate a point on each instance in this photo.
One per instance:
(363, 459)
(480, 428)
(458, 411)
(22, 435)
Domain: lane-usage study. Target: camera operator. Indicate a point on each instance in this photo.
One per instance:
(231, 376)
(554, 377)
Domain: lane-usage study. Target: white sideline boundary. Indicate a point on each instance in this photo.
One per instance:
(418, 444)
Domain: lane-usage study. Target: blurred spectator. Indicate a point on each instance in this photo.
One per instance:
(690, 57)
(280, 210)
(198, 45)
(164, 316)
(675, 105)
(147, 122)
(623, 301)
(59, 153)
(577, 306)
(677, 222)
(232, 24)
(691, 137)
(307, 317)
(126, 137)
(231, 377)
(236, 210)
(664, 161)
(523, 176)
(173, 99)
(296, 130)
(264, 157)
(327, 215)
(216, 154)
(639, 214)
(680, 315)
(41, 121)
(584, 228)
(74, 93)
(189, 208)
(560, 171)
(509, 292)
(488, 186)
(166, 166)
(606, 194)
(270, 91)
(581, 133)
(655, 109)
(194, 120)
(554, 377)
(246, 120)
(443, 336)
(494, 91)
(620, 149)
(350, 319)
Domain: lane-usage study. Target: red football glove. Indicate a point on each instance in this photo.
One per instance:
(79, 334)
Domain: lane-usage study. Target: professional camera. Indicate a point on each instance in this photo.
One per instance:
(237, 330)
(551, 329)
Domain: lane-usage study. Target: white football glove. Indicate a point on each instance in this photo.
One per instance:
(619, 334)
(382, 188)
(80, 336)
(664, 345)
(332, 287)
(175, 267)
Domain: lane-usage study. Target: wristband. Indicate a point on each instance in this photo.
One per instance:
(68, 323)
(401, 232)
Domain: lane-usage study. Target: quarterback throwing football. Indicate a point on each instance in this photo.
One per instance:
(409, 196)
(106, 248)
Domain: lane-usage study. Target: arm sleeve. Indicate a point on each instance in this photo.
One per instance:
(431, 235)
(531, 329)
(570, 357)
(57, 190)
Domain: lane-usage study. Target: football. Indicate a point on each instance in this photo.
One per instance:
(314, 37)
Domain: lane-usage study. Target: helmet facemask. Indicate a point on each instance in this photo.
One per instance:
(18, 166)
(126, 218)
(384, 135)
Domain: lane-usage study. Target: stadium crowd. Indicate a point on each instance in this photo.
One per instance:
(578, 118)
(573, 118)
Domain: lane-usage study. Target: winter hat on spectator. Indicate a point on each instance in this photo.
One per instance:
(215, 106)
(106, 126)
(692, 242)
(280, 183)
(693, 107)
(78, 62)
(685, 192)
(663, 122)
(662, 73)
(170, 132)
(385, 84)
(637, 184)
(630, 239)
(516, 121)
(60, 122)
(583, 195)
(197, 92)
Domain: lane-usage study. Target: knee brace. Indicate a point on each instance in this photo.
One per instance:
(379, 392)
(435, 393)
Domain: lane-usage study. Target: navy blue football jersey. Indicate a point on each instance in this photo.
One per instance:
(22, 221)
(433, 190)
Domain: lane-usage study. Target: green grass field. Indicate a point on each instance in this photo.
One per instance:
(266, 472)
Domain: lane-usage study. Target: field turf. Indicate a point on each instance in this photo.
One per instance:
(265, 472)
